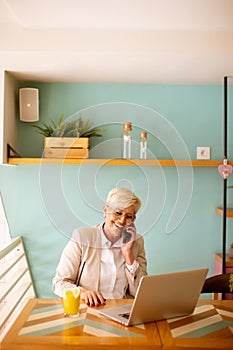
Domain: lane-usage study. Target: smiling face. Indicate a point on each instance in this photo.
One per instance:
(116, 219)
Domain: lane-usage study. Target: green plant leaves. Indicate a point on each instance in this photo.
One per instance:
(76, 128)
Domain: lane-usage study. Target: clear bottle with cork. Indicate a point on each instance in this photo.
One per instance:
(126, 143)
(143, 145)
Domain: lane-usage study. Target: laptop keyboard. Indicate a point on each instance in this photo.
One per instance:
(126, 315)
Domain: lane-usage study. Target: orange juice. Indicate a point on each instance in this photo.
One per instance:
(71, 302)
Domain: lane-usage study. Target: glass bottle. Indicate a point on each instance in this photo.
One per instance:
(126, 146)
(143, 145)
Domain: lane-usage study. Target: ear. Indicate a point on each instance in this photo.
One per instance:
(105, 210)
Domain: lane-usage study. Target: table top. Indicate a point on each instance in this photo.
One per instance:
(42, 325)
(209, 327)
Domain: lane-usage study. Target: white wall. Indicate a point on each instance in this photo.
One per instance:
(1, 113)
(8, 116)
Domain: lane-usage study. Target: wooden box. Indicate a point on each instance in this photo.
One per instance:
(66, 147)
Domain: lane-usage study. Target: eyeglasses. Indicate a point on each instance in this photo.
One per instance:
(118, 214)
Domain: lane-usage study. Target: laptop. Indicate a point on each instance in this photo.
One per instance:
(161, 297)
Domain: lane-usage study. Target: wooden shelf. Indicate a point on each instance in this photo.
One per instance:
(229, 261)
(229, 212)
(128, 162)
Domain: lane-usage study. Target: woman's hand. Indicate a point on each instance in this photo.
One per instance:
(126, 248)
(92, 298)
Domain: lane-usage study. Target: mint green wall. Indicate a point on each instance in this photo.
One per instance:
(193, 110)
(44, 203)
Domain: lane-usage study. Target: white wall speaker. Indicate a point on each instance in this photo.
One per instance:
(29, 104)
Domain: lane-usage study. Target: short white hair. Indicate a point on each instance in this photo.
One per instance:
(122, 198)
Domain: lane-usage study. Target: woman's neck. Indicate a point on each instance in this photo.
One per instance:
(111, 234)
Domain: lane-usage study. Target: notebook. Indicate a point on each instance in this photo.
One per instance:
(160, 297)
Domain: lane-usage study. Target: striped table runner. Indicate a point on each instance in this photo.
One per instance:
(206, 321)
(50, 320)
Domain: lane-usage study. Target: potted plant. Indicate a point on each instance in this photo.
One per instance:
(67, 139)
(231, 251)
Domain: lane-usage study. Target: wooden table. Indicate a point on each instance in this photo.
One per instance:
(209, 327)
(42, 325)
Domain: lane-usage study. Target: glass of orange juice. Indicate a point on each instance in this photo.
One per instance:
(71, 302)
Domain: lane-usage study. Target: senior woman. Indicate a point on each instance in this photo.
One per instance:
(105, 260)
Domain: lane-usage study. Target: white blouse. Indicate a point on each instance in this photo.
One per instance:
(113, 282)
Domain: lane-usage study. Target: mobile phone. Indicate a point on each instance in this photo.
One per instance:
(126, 234)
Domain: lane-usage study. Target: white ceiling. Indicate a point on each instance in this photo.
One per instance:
(128, 41)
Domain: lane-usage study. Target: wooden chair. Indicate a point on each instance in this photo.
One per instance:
(15, 281)
(219, 284)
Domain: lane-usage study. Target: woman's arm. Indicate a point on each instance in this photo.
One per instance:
(68, 268)
(138, 252)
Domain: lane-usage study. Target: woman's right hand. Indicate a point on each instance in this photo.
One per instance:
(92, 298)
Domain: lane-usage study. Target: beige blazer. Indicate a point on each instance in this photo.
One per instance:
(85, 246)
